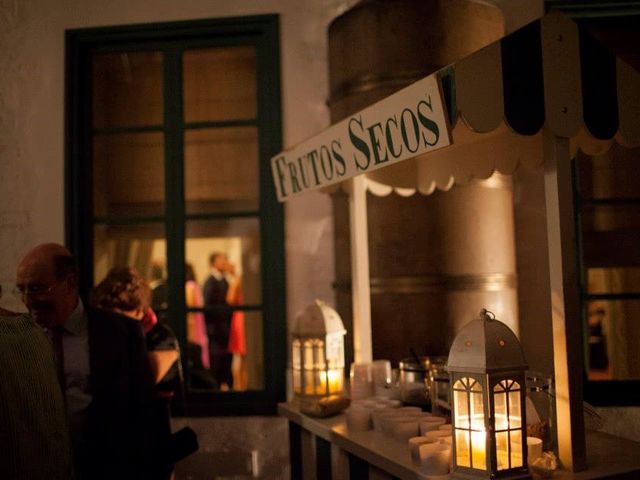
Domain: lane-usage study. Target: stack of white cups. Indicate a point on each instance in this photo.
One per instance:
(363, 414)
(431, 451)
(360, 381)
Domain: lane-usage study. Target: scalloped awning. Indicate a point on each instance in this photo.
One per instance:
(549, 75)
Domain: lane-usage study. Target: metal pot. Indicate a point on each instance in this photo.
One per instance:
(415, 382)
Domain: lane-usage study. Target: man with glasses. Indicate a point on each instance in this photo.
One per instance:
(102, 367)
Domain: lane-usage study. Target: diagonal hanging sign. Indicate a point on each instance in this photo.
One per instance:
(406, 124)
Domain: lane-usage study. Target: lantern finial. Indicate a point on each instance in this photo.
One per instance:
(487, 315)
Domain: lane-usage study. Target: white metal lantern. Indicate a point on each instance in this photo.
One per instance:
(317, 352)
(487, 373)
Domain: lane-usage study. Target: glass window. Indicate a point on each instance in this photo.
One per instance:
(128, 175)
(221, 170)
(609, 215)
(219, 84)
(167, 169)
(138, 245)
(237, 242)
(127, 89)
(613, 339)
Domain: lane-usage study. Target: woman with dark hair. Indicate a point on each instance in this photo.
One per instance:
(125, 292)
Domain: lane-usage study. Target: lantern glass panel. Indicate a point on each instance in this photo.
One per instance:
(463, 447)
(502, 450)
(508, 423)
(318, 355)
(515, 415)
(320, 378)
(469, 422)
(478, 430)
(336, 380)
(461, 401)
(309, 384)
(516, 448)
(307, 361)
(500, 406)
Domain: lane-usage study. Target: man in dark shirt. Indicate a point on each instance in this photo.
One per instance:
(218, 320)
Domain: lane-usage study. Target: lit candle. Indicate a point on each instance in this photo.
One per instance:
(335, 381)
(478, 443)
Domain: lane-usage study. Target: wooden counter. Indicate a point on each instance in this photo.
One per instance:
(325, 449)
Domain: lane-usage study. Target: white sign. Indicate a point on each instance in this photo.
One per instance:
(406, 124)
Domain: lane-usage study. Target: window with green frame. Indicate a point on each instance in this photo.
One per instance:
(169, 132)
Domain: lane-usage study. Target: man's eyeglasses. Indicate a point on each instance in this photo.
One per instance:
(33, 290)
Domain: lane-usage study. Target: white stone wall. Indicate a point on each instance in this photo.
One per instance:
(32, 119)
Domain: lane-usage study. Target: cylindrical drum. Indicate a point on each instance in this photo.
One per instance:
(435, 261)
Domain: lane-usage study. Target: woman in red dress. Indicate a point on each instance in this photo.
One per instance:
(237, 341)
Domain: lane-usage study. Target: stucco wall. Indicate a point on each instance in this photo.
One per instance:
(32, 118)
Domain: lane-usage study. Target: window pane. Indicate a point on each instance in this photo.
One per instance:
(221, 170)
(127, 89)
(128, 175)
(223, 272)
(613, 339)
(500, 404)
(463, 458)
(502, 452)
(608, 218)
(239, 361)
(613, 280)
(515, 415)
(238, 243)
(461, 403)
(141, 246)
(219, 84)
(516, 448)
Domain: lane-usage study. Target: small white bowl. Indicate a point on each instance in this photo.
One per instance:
(435, 459)
(404, 429)
(429, 424)
(393, 403)
(437, 434)
(358, 419)
(385, 422)
(414, 445)
(411, 409)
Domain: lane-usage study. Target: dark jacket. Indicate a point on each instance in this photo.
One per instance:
(119, 439)
(218, 322)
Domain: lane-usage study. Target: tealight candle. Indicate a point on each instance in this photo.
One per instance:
(431, 423)
(414, 445)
